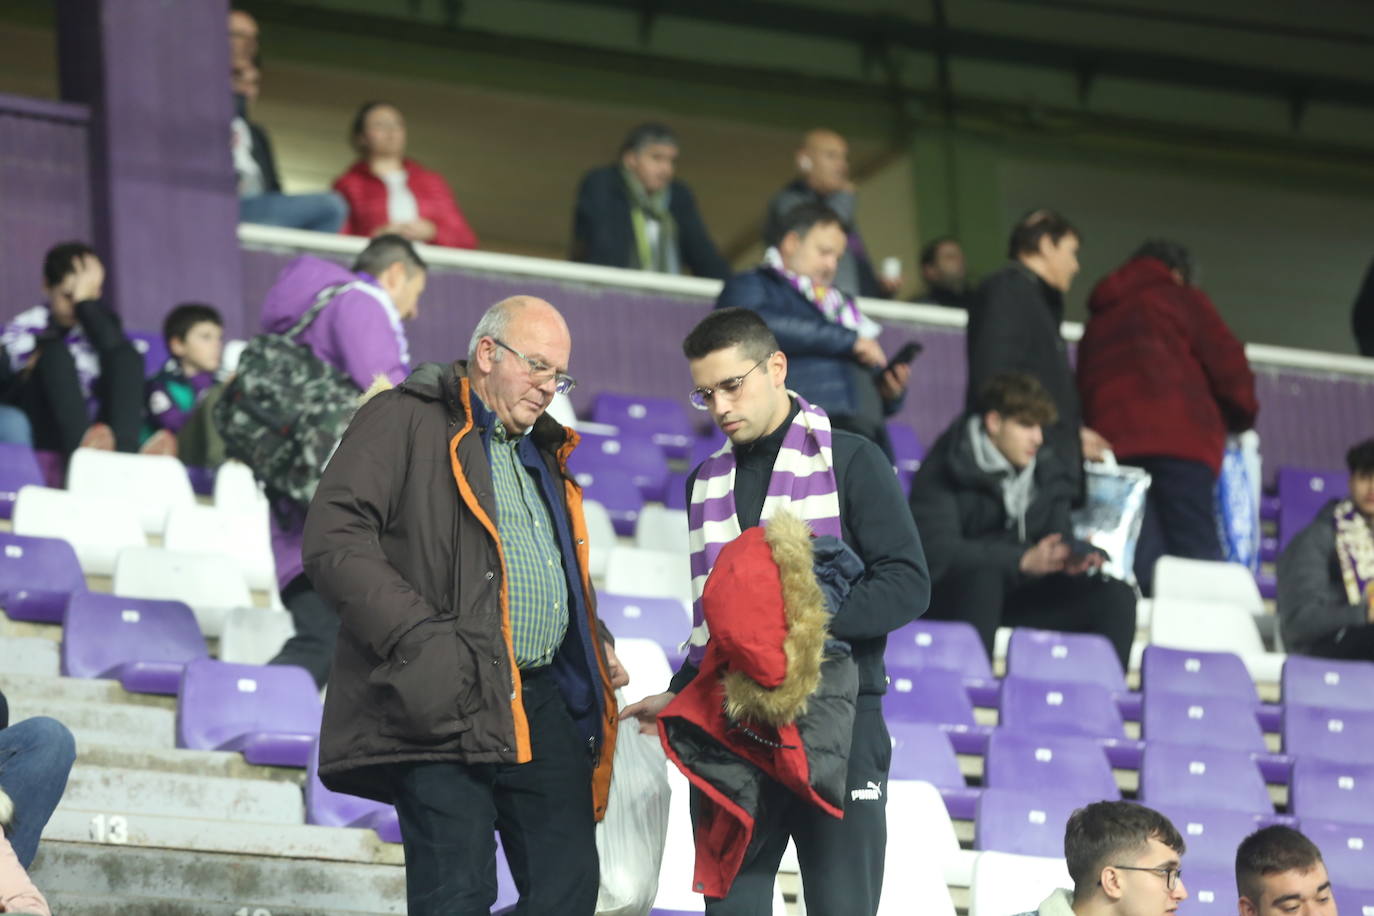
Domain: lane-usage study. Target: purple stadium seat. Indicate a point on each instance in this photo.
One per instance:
(1332, 790)
(1211, 891)
(906, 446)
(37, 575)
(675, 491)
(143, 643)
(1048, 763)
(1068, 708)
(1052, 655)
(328, 808)
(1269, 549)
(704, 447)
(1212, 834)
(663, 420)
(1329, 684)
(665, 621)
(1346, 850)
(152, 347)
(945, 644)
(936, 696)
(1269, 507)
(1302, 493)
(1025, 823)
(1356, 900)
(1332, 734)
(616, 491)
(920, 751)
(18, 468)
(1208, 777)
(1202, 721)
(635, 455)
(1204, 674)
(202, 480)
(270, 712)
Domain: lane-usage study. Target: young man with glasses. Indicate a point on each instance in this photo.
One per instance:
(472, 687)
(1278, 870)
(783, 454)
(1124, 859)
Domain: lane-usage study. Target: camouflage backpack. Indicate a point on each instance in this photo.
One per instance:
(285, 409)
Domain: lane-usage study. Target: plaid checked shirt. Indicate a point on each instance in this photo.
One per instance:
(536, 586)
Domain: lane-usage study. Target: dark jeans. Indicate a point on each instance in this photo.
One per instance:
(317, 629)
(35, 757)
(1072, 604)
(323, 212)
(841, 859)
(450, 814)
(1180, 516)
(1354, 643)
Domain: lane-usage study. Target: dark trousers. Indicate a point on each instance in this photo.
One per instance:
(1180, 516)
(49, 393)
(1072, 604)
(1353, 643)
(317, 629)
(450, 814)
(841, 859)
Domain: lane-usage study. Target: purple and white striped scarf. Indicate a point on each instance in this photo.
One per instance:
(830, 301)
(803, 482)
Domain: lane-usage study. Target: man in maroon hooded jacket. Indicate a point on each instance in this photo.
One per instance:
(1162, 377)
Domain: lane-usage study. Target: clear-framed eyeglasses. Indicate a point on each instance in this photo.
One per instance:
(701, 398)
(540, 371)
(1170, 873)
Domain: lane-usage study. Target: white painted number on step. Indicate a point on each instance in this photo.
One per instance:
(254, 911)
(111, 829)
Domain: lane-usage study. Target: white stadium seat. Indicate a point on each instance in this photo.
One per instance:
(155, 483)
(97, 527)
(210, 583)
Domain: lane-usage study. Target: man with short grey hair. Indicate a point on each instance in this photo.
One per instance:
(473, 685)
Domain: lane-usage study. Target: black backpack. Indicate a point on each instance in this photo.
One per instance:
(285, 409)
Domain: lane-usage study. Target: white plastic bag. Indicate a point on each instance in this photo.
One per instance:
(1111, 517)
(630, 838)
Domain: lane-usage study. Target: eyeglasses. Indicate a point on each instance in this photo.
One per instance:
(701, 397)
(1169, 873)
(540, 371)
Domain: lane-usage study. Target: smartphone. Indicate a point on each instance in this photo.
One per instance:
(909, 351)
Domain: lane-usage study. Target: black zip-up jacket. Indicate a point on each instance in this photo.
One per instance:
(874, 522)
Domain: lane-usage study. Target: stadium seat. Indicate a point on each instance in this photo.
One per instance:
(254, 635)
(1207, 777)
(1330, 684)
(18, 468)
(1332, 790)
(906, 447)
(919, 829)
(97, 527)
(663, 420)
(143, 644)
(328, 808)
(242, 535)
(1004, 883)
(1215, 582)
(211, 584)
(1332, 734)
(1212, 834)
(647, 666)
(561, 409)
(156, 483)
(37, 575)
(1068, 708)
(1048, 763)
(635, 455)
(1204, 674)
(1346, 850)
(704, 447)
(659, 528)
(600, 536)
(666, 621)
(921, 752)
(1053, 655)
(945, 644)
(675, 491)
(1302, 492)
(1179, 623)
(1211, 891)
(1025, 823)
(937, 696)
(649, 573)
(1202, 721)
(1354, 900)
(615, 490)
(269, 712)
(236, 488)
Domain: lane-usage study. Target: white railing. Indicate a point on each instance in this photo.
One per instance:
(288, 240)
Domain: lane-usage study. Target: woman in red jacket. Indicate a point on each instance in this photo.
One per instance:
(386, 192)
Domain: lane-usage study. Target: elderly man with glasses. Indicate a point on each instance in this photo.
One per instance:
(473, 684)
(784, 457)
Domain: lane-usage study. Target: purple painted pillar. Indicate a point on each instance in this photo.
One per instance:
(155, 74)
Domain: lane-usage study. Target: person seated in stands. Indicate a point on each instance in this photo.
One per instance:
(360, 333)
(823, 178)
(635, 214)
(1326, 573)
(75, 375)
(945, 272)
(194, 333)
(833, 355)
(1163, 378)
(36, 756)
(260, 192)
(1124, 859)
(992, 505)
(1279, 870)
(389, 194)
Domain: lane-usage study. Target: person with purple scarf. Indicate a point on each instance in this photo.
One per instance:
(360, 333)
(1326, 573)
(782, 454)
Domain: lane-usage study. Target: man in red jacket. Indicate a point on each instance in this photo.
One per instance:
(1162, 377)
